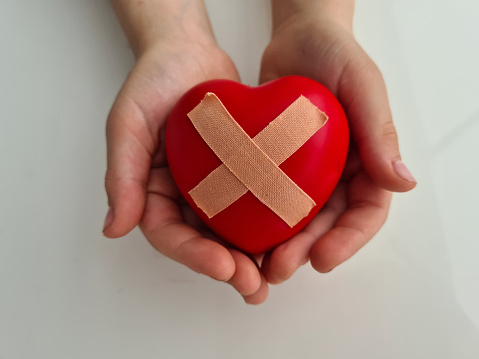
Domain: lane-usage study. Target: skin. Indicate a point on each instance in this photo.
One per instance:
(315, 39)
(175, 50)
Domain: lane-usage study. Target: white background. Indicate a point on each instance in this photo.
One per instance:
(67, 292)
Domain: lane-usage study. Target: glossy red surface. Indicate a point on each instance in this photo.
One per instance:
(316, 167)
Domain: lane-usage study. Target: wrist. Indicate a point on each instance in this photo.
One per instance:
(148, 23)
(339, 12)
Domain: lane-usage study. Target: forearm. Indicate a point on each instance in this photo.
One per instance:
(146, 22)
(340, 11)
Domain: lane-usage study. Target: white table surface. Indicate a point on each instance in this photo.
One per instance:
(68, 292)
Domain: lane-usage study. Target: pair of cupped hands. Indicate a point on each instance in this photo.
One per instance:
(142, 192)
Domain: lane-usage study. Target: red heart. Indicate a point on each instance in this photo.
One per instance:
(315, 167)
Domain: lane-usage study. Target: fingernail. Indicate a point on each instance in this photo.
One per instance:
(108, 219)
(403, 172)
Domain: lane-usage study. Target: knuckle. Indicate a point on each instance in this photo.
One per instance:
(388, 131)
(108, 183)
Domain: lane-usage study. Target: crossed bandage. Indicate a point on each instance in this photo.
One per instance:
(252, 164)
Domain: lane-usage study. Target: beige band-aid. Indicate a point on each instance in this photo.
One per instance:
(252, 164)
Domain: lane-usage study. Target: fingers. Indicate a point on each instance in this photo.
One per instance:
(284, 260)
(165, 231)
(362, 92)
(247, 278)
(367, 211)
(260, 295)
(163, 226)
(129, 148)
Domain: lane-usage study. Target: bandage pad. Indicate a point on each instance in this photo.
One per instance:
(252, 164)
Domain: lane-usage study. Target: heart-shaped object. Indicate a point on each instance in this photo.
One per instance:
(315, 167)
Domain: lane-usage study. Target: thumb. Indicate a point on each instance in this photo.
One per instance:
(366, 102)
(129, 149)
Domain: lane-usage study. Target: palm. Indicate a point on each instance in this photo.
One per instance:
(358, 207)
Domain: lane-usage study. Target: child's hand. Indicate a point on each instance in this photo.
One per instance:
(138, 181)
(315, 39)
